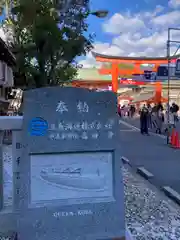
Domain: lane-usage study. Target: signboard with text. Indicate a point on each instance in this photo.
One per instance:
(177, 69)
(70, 178)
(162, 72)
(126, 81)
(148, 76)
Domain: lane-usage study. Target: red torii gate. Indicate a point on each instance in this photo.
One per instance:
(115, 70)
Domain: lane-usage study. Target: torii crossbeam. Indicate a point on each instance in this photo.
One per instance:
(115, 70)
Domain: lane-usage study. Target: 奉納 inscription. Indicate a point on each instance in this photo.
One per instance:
(82, 107)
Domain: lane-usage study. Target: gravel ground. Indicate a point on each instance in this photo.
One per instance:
(150, 215)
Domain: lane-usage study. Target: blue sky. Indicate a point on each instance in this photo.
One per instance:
(2, 16)
(133, 28)
(118, 6)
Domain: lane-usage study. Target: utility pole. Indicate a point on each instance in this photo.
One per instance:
(168, 57)
(169, 41)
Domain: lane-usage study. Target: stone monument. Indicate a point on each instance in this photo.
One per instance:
(70, 181)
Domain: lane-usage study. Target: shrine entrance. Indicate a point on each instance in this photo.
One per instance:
(129, 66)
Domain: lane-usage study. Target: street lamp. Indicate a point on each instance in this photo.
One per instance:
(99, 13)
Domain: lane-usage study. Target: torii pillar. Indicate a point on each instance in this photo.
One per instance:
(115, 75)
(158, 92)
(114, 72)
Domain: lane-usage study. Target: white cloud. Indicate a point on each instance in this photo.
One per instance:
(167, 19)
(119, 23)
(139, 34)
(104, 48)
(158, 9)
(174, 3)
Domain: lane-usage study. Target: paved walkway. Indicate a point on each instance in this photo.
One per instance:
(152, 153)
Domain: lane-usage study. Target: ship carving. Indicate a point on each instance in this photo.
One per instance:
(74, 178)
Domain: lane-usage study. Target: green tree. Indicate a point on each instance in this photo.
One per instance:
(48, 36)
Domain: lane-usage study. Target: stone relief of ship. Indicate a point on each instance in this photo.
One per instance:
(75, 178)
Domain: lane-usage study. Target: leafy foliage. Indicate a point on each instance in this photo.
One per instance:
(48, 36)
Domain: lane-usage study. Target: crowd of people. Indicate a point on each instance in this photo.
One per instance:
(152, 116)
(126, 110)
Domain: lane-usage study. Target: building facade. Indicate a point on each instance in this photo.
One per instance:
(7, 61)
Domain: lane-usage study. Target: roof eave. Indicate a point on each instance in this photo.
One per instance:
(95, 54)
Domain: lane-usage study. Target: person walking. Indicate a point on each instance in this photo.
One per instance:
(119, 110)
(159, 118)
(133, 110)
(175, 109)
(144, 120)
(149, 116)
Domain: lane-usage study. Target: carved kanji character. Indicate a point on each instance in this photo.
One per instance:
(61, 107)
(82, 107)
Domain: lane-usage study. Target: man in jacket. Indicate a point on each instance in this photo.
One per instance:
(144, 120)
